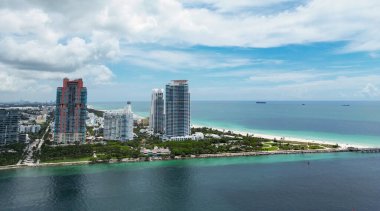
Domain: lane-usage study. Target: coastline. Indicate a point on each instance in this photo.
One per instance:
(342, 148)
(341, 144)
(286, 138)
(218, 155)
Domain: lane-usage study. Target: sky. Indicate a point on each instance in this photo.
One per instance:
(228, 50)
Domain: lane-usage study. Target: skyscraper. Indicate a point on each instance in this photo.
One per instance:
(71, 112)
(157, 115)
(119, 125)
(177, 108)
(9, 126)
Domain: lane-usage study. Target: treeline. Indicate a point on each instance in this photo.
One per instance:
(10, 154)
(112, 149)
(50, 153)
(212, 146)
(183, 148)
(206, 130)
(96, 112)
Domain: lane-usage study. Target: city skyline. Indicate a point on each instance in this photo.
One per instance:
(258, 49)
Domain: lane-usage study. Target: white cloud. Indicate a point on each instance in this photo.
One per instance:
(341, 88)
(170, 22)
(38, 55)
(29, 81)
(371, 91)
(49, 40)
(228, 6)
(175, 60)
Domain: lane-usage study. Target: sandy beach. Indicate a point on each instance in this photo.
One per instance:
(285, 138)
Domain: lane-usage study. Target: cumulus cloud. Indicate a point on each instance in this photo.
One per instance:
(171, 22)
(36, 51)
(340, 88)
(178, 60)
(52, 39)
(370, 90)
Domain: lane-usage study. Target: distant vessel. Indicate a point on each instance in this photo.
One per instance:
(261, 102)
(345, 105)
(303, 104)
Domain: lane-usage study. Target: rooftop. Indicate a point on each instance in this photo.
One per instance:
(178, 82)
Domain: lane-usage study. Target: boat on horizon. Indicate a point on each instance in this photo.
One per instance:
(261, 102)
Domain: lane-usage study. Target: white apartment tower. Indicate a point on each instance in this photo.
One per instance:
(157, 112)
(119, 125)
(177, 109)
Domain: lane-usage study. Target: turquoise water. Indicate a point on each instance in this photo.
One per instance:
(358, 123)
(334, 181)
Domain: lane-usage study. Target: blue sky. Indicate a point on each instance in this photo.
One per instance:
(228, 50)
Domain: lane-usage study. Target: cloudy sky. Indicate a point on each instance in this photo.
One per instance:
(229, 50)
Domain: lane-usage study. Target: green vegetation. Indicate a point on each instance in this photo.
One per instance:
(40, 133)
(11, 154)
(112, 149)
(96, 112)
(315, 147)
(227, 143)
(183, 148)
(90, 130)
(71, 160)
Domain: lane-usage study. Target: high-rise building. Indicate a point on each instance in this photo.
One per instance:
(71, 112)
(119, 125)
(157, 115)
(9, 126)
(177, 109)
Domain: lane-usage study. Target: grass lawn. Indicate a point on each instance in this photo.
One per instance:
(265, 145)
(316, 147)
(68, 160)
(271, 148)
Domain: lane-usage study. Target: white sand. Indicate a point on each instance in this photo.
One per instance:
(285, 138)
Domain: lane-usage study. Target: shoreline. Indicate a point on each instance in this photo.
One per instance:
(201, 156)
(268, 136)
(341, 148)
(286, 138)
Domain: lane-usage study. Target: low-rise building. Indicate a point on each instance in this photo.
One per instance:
(41, 118)
(29, 128)
(155, 151)
(195, 137)
(210, 135)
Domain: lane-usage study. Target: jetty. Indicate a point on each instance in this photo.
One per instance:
(364, 150)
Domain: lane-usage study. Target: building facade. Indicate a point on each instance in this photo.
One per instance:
(157, 112)
(177, 109)
(70, 112)
(119, 125)
(29, 128)
(9, 126)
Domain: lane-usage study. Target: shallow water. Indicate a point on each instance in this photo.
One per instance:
(332, 181)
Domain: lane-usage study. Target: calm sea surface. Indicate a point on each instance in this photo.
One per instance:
(336, 181)
(358, 123)
(331, 181)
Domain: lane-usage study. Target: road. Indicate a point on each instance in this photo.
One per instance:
(29, 151)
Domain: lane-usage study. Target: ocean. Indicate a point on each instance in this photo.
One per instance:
(356, 122)
(296, 182)
(332, 181)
